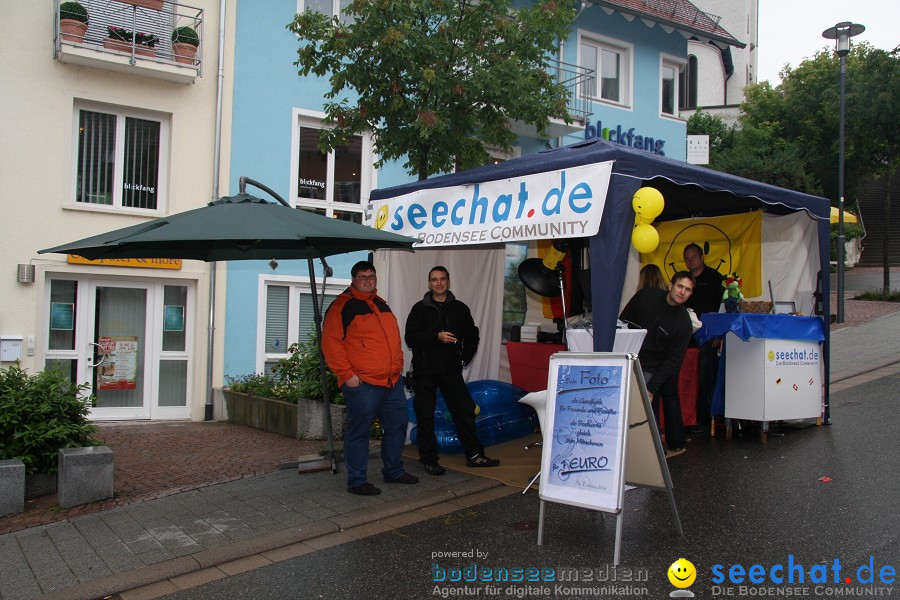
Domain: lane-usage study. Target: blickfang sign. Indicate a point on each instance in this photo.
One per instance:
(566, 203)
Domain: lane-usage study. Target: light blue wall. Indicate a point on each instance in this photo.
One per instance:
(267, 89)
(648, 43)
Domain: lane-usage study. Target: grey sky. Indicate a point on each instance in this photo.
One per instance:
(791, 30)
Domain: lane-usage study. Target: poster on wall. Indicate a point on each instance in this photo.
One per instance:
(586, 411)
(119, 368)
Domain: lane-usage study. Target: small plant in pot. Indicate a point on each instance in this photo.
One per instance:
(184, 44)
(73, 21)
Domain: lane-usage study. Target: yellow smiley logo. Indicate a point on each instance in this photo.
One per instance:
(381, 217)
(771, 355)
(682, 573)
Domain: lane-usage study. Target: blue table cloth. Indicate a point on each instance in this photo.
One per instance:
(753, 325)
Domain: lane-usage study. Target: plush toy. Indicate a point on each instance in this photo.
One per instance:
(732, 295)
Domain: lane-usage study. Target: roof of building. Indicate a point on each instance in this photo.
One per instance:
(671, 15)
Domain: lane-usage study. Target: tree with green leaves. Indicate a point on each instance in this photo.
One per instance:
(435, 81)
(789, 135)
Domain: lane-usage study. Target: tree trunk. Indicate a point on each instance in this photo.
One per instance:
(885, 254)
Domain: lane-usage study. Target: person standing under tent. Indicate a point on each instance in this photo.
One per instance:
(707, 298)
(361, 344)
(664, 316)
(443, 337)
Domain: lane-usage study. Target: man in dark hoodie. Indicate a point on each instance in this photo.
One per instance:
(443, 337)
(663, 315)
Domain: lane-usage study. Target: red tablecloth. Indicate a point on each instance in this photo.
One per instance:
(529, 363)
(687, 390)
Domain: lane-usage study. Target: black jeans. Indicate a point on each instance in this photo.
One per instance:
(462, 410)
(671, 404)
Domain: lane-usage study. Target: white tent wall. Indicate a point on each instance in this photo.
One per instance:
(476, 278)
(790, 259)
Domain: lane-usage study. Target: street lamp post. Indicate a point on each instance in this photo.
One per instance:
(841, 34)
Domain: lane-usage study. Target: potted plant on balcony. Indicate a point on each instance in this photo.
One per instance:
(73, 21)
(120, 40)
(184, 44)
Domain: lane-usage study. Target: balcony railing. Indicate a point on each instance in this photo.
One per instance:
(99, 48)
(575, 79)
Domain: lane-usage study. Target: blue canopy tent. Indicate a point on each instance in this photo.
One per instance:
(690, 191)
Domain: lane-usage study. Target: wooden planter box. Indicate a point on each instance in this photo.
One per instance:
(302, 420)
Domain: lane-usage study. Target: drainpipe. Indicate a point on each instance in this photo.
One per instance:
(210, 342)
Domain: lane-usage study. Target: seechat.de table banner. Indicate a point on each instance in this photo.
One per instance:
(566, 203)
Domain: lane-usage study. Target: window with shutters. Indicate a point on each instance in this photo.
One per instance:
(120, 159)
(289, 317)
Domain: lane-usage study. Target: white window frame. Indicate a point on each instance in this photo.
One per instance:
(121, 114)
(335, 9)
(625, 51)
(679, 64)
(315, 120)
(298, 286)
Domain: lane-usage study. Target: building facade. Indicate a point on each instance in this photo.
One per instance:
(623, 59)
(105, 132)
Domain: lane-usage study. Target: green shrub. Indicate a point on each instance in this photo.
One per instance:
(294, 377)
(41, 413)
(185, 35)
(879, 295)
(258, 384)
(74, 11)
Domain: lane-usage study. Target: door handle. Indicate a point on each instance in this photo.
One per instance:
(103, 358)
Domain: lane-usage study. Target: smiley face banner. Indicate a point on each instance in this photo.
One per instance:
(730, 244)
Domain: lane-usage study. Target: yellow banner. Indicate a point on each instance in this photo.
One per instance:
(141, 263)
(730, 244)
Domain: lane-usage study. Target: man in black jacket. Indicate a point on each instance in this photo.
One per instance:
(707, 298)
(443, 337)
(663, 315)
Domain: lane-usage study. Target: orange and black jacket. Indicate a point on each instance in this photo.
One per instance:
(361, 336)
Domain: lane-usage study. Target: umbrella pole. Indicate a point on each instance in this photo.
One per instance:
(317, 313)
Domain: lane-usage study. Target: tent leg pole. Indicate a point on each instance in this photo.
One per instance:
(326, 401)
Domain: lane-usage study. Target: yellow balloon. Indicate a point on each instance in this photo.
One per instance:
(477, 410)
(648, 203)
(639, 220)
(644, 238)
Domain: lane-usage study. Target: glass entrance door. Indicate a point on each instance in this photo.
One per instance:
(128, 340)
(118, 340)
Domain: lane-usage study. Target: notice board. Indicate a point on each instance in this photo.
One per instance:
(585, 430)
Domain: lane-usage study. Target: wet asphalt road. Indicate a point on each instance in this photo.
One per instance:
(740, 502)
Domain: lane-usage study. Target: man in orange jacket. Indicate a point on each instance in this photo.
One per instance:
(361, 344)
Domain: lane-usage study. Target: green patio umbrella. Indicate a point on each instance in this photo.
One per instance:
(243, 227)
